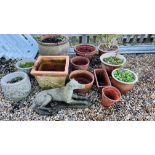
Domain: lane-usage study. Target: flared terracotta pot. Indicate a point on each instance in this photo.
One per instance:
(83, 77)
(101, 78)
(51, 71)
(123, 87)
(110, 95)
(80, 63)
(85, 50)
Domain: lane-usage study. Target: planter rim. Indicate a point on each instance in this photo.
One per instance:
(53, 44)
(114, 88)
(136, 77)
(24, 60)
(49, 73)
(108, 51)
(88, 61)
(90, 45)
(112, 54)
(23, 74)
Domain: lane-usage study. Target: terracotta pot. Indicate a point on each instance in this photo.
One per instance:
(80, 63)
(85, 50)
(102, 51)
(83, 77)
(51, 71)
(111, 67)
(110, 95)
(101, 78)
(48, 49)
(123, 87)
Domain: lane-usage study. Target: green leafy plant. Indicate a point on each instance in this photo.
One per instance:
(16, 79)
(26, 65)
(113, 60)
(124, 75)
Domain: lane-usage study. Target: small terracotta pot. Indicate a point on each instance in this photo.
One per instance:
(102, 51)
(110, 95)
(123, 87)
(111, 67)
(80, 63)
(101, 78)
(83, 77)
(85, 50)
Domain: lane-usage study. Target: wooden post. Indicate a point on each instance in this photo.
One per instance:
(84, 38)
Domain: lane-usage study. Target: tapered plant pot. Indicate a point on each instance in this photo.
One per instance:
(80, 63)
(103, 50)
(110, 95)
(48, 46)
(101, 78)
(51, 71)
(110, 67)
(85, 50)
(83, 77)
(16, 86)
(123, 87)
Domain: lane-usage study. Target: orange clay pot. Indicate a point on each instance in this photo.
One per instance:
(110, 95)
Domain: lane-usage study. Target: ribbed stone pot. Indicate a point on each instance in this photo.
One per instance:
(16, 91)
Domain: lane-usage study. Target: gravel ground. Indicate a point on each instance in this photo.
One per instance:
(138, 104)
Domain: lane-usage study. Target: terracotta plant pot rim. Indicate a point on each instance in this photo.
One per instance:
(118, 92)
(136, 77)
(94, 51)
(108, 51)
(52, 44)
(112, 54)
(81, 57)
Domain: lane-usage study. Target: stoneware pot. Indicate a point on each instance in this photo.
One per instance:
(85, 50)
(80, 63)
(16, 91)
(123, 87)
(50, 49)
(101, 78)
(103, 51)
(111, 67)
(26, 70)
(110, 95)
(83, 77)
(51, 71)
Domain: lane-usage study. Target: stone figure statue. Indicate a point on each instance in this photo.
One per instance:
(43, 100)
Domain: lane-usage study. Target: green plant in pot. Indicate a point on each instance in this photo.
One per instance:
(123, 79)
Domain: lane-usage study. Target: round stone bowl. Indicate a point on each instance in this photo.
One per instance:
(16, 91)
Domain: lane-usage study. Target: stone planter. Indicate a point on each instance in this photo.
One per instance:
(51, 71)
(110, 95)
(101, 78)
(85, 50)
(49, 49)
(16, 91)
(103, 51)
(26, 70)
(111, 67)
(80, 63)
(83, 77)
(123, 87)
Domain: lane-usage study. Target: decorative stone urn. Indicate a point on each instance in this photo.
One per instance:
(18, 90)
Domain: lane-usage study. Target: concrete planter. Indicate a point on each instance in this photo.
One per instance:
(51, 71)
(111, 67)
(50, 49)
(26, 70)
(16, 91)
(123, 87)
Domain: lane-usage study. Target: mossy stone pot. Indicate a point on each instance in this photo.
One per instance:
(16, 91)
(123, 87)
(53, 49)
(111, 67)
(26, 70)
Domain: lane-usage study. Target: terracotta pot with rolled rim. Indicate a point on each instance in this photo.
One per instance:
(83, 77)
(110, 95)
(101, 78)
(80, 63)
(85, 50)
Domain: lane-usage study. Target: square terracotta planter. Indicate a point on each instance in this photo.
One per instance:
(101, 78)
(51, 71)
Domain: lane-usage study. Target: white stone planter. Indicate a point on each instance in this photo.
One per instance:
(16, 91)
